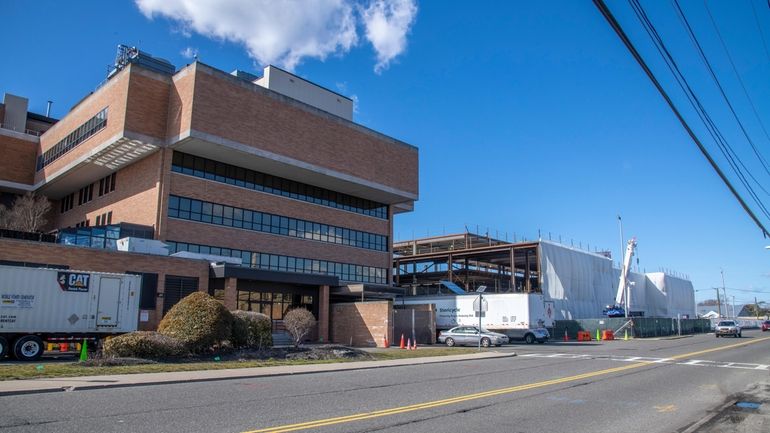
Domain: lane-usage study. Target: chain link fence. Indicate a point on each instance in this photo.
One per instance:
(641, 327)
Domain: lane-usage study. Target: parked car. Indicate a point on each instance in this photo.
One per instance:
(727, 327)
(469, 335)
(765, 325)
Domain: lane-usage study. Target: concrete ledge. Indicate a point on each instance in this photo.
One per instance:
(45, 385)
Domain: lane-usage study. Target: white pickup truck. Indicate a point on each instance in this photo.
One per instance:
(520, 316)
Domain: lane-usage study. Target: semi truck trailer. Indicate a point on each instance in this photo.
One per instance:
(520, 316)
(39, 305)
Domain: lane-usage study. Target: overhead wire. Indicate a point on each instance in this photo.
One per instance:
(714, 77)
(610, 18)
(743, 85)
(692, 97)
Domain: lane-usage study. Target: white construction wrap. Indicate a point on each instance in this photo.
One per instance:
(581, 283)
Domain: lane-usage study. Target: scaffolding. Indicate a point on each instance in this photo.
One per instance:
(429, 266)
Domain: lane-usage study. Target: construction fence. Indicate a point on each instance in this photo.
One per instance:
(640, 327)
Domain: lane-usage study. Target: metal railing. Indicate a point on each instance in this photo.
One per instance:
(26, 131)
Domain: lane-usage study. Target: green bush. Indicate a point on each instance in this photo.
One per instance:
(251, 329)
(142, 344)
(199, 321)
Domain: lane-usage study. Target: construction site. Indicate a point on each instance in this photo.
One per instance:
(578, 284)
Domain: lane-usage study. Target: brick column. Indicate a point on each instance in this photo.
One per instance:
(323, 314)
(231, 293)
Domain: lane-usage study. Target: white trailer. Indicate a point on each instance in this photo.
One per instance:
(523, 316)
(38, 305)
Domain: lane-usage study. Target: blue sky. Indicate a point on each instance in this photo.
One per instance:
(528, 115)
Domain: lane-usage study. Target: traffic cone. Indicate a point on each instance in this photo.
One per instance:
(566, 337)
(84, 351)
(598, 337)
(408, 343)
(625, 336)
(414, 347)
(402, 342)
(385, 338)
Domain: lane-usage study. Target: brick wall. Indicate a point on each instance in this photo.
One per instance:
(226, 107)
(363, 323)
(135, 199)
(18, 161)
(147, 103)
(87, 259)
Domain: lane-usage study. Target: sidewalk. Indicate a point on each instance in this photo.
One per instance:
(58, 384)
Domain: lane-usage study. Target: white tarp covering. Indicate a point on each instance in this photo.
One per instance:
(581, 284)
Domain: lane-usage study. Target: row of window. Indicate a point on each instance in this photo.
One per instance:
(274, 305)
(86, 194)
(243, 177)
(67, 202)
(212, 213)
(79, 135)
(107, 184)
(104, 219)
(275, 262)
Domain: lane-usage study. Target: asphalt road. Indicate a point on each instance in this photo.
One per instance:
(634, 386)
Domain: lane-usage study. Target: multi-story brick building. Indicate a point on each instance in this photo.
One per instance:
(270, 170)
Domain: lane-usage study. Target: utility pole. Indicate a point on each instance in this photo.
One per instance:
(719, 304)
(721, 271)
(734, 316)
(756, 307)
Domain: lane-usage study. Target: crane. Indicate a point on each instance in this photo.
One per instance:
(620, 307)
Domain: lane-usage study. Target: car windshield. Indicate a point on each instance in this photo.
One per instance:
(727, 323)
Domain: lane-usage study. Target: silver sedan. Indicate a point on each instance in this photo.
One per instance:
(469, 335)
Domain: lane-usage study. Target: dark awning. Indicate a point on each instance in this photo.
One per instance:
(226, 270)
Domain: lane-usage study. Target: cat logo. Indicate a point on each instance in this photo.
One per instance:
(73, 281)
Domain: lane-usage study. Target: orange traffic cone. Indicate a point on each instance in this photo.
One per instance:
(385, 341)
(408, 343)
(566, 337)
(402, 342)
(414, 347)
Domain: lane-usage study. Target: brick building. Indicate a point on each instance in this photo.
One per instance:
(269, 170)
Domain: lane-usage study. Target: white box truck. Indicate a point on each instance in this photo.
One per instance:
(38, 305)
(521, 316)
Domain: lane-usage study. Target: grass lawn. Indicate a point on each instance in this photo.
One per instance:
(72, 369)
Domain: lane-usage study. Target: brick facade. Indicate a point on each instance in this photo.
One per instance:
(362, 323)
(18, 161)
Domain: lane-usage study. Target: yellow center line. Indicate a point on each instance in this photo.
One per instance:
(475, 396)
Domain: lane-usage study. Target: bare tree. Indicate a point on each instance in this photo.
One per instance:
(5, 217)
(298, 322)
(27, 214)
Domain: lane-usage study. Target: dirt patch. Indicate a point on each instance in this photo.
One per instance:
(313, 353)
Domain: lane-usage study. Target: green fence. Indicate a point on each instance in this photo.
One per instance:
(643, 327)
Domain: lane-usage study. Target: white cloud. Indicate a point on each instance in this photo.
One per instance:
(189, 52)
(285, 32)
(387, 24)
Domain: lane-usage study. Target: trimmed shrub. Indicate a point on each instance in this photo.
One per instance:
(298, 322)
(199, 321)
(143, 344)
(251, 329)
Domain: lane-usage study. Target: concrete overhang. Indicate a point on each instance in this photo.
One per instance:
(245, 156)
(113, 154)
(360, 290)
(226, 270)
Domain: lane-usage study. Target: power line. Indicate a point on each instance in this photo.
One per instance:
(692, 97)
(703, 56)
(759, 27)
(740, 80)
(607, 14)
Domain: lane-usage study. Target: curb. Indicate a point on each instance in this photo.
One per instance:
(52, 389)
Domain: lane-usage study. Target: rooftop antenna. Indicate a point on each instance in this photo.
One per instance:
(48, 109)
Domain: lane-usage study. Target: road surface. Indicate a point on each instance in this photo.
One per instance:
(640, 385)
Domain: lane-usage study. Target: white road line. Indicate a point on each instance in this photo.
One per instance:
(691, 362)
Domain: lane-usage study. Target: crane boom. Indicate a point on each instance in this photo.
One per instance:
(620, 296)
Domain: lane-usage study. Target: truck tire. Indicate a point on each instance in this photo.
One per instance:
(28, 348)
(529, 338)
(3, 347)
(450, 341)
